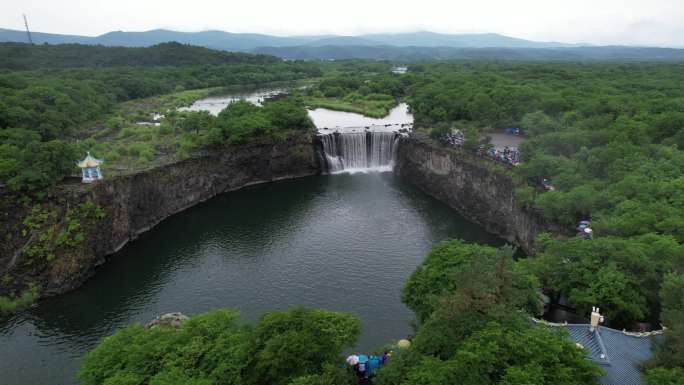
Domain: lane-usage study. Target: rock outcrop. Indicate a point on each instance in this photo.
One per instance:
(168, 320)
(479, 189)
(48, 253)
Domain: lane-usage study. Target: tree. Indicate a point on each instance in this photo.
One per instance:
(536, 123)
(310, 338)
(197, 121)
(620, 275)
(219, 348)
(27, 164)
(288, 114)
(481, 276)
(472, 139)
(662, 376)
(669, 352)
(497, 354)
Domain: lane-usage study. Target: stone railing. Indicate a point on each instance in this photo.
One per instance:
(624, 331)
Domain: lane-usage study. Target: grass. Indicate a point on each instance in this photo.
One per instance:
(371, 108)
(127, 147)
(9, 305)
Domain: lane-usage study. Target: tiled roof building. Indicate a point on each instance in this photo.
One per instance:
(619, 353)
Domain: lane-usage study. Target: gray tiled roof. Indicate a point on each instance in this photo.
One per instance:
(619, 354)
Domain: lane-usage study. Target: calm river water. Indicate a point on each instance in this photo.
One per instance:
(336, 120)
(342, 242)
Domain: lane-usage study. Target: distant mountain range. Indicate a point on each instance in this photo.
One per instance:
(396, 46)
(251, 41)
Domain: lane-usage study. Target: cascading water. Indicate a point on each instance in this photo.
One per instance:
(359, 151)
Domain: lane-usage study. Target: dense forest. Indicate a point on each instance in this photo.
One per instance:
(19, 56)
(493, 53)
(609, 138)
(43, 112)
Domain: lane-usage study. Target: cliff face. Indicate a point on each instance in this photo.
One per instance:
(471, 186)
(57, 247)
(130, 205)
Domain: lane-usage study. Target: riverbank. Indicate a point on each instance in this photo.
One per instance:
(56, 245)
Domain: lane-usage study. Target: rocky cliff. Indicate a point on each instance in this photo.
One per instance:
(55, 246)
(479, 189)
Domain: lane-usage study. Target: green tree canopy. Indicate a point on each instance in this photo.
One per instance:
(622, 275)
(480, 275)
(219, 348)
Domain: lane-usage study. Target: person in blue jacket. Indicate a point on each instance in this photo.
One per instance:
(362, 366)
(373, 365)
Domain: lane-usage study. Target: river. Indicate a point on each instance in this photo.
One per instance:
(330, 120)
(216, 104)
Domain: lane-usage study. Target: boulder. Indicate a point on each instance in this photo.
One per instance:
(173, 320)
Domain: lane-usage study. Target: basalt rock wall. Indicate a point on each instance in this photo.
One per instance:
(478, 188)
(133, 204)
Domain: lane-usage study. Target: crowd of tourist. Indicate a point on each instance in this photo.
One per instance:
(454, 138)
(507, 155)
(366, 367)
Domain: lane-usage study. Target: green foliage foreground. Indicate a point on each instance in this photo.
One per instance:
(475, 330)
(609, 136)
(473, 302)
(297, 346)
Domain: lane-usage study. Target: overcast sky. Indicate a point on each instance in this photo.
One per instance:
(634, 22)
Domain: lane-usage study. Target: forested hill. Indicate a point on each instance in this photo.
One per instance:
(19, 56)
(421, 45)
(387, 52)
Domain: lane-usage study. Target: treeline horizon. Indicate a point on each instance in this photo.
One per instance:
(23, 56)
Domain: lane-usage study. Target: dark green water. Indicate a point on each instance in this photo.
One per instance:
(342, 242)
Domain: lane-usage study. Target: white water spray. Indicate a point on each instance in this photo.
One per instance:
(359, 151)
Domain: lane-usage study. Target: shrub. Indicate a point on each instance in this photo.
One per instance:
(8, 304)
(127, 132)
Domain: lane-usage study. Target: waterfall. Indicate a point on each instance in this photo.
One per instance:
(359, 151)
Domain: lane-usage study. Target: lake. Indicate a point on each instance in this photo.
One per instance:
(340, 242)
